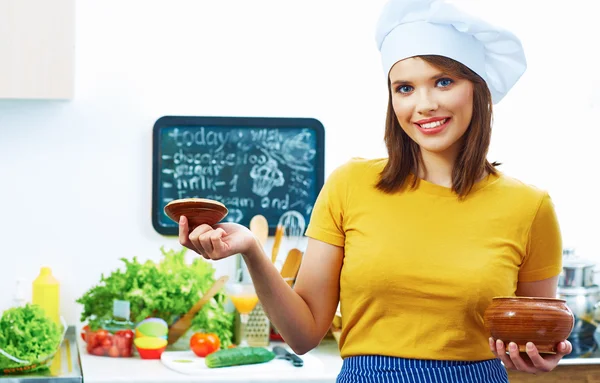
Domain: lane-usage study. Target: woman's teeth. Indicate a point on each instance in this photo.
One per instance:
(431, 125)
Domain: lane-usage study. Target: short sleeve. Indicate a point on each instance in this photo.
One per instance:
(327, 218)
(544, 248)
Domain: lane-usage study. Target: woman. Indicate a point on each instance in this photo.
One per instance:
(415, 246)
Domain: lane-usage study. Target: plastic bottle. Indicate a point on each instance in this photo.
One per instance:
(46, 294)
(19, 299)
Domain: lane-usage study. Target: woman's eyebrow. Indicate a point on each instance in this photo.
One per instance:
(435, 77)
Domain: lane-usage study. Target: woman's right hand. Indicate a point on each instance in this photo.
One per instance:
(218, 241)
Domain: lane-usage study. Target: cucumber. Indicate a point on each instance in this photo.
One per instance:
(238, 356)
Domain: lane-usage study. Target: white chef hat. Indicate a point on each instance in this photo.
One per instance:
(408, 28)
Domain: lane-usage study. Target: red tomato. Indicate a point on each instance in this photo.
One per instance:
(107, 342)
(125, 352)
(101, 335)
(83, 331)
(125, 333)
(204, 344)
(113, 352)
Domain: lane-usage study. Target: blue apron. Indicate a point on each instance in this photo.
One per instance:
(386, 369)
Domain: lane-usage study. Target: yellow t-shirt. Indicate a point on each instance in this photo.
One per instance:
(421, 266)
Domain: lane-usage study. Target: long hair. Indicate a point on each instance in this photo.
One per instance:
(404, 153)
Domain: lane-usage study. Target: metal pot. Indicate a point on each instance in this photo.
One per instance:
(583, 301)
(577, 273)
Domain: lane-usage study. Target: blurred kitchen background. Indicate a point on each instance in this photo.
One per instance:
(77, 174)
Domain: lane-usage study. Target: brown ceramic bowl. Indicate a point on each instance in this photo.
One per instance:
(543, 321)
(198, 211)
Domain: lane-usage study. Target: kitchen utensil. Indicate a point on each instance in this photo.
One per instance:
(543, 321)
(150, 347)
(577, 271)
(260, 228)
(290, 267)
(258, 328)
(282, 353)
(277, 242)
(244, 298)
(198, 211)
(186, 362)
(294, 225)
(183, 324)
(576, 286)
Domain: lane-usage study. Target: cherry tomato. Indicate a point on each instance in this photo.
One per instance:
(101, 335)
(107, 342)
(125, 333)
(125, 352)
(113, 351)
(204, 344)
(83, 331)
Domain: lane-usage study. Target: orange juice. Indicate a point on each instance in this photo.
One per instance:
(244, 303)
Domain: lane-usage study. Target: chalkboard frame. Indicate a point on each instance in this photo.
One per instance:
(238, 122)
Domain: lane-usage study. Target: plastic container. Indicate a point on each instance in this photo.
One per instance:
(115, 337)
(46, 294)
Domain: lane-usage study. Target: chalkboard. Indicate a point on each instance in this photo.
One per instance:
(268, 166)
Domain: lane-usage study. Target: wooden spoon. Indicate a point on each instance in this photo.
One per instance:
(277, 242)
(260, 228)
(183, 324)
(290, 267)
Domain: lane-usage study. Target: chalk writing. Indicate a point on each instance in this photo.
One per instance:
(274, 169)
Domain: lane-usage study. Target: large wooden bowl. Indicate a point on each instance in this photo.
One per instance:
(198, 211)
(543, 321)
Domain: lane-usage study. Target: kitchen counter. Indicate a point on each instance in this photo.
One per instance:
(98, 369)
(135, 370)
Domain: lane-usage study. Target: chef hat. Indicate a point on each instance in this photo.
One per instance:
(408, 28)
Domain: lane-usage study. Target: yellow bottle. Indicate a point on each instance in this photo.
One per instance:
(46, 294)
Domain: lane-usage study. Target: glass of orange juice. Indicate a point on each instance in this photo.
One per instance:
(244, 298)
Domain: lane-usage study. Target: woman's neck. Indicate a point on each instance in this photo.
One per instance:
(436, 168)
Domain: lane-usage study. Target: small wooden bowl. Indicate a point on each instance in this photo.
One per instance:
(198, 211)
(543, 321)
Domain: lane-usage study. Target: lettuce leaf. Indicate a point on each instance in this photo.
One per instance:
(28, 333)
(167, 290)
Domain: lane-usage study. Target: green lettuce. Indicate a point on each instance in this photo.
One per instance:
(167, 290)
(28, 333)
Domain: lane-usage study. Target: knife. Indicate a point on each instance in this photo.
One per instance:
(282, 353)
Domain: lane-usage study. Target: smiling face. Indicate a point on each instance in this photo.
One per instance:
(433, 108)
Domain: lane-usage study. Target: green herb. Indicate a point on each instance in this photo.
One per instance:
(27, 333)
(167, 290)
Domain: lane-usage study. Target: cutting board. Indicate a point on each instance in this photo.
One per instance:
(186, 362)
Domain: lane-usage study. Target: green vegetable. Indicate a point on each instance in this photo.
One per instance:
(238, 356)
(167, 290)
(27, 333)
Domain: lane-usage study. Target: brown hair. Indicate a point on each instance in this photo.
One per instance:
(471, 163)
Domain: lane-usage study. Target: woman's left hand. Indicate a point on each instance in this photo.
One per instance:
(531, 362)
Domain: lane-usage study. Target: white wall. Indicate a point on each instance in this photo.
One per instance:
(76, 176)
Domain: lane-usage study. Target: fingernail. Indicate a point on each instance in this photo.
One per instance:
(512, 346)
(181, 219)
(529, 346)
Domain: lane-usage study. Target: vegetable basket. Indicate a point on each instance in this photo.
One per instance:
(20, 366)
